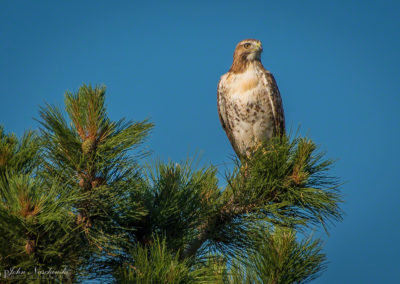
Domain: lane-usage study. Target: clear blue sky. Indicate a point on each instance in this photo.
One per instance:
(337, 64)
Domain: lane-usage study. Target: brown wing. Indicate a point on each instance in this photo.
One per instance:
(223, 114)
(276, 103)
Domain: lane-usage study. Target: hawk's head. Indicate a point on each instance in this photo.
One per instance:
(246, 51)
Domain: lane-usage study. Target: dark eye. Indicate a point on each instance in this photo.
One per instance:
(246, 45)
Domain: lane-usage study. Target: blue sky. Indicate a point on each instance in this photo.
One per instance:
(337, 64)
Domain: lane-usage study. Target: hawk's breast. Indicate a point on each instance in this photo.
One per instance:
(248, 109)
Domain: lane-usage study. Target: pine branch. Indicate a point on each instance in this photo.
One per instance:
(89, 153)
(155, 263)
(18, 155)
(280, 258)
(36, 218)
(284, 183)
(177, 199)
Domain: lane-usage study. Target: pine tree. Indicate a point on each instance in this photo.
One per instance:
(76, 197)
(34, 213)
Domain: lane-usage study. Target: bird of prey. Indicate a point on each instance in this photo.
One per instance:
(249, 103)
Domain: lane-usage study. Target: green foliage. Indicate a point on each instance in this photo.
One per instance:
(34, 214)
(286, 181)
(92, 144)
(76, 197)
(91, 156)
(177, 200)
(154, 263)
(280, 258)
(284, 184)
(18, 155)
(37, 218)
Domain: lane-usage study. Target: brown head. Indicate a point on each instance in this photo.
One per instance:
(246, 51)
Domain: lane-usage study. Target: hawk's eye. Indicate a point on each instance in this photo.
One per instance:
(246, 45)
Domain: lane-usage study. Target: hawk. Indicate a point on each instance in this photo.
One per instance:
(249, 103)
